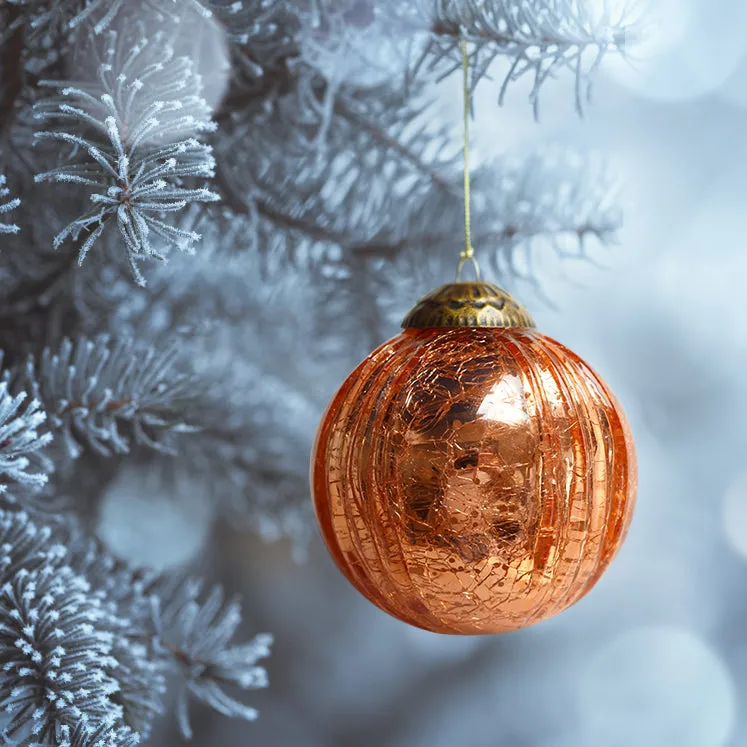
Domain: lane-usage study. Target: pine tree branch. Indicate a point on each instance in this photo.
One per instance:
(232, 458)
(55, 647)
(539, 37)
(196, 637)
(339, 176)
(41, 18)
(20, 444)
(386, 141)
(68, 643)
(34, 276)
(549, 195)
(138, 150)
(25, 546)
(264, 48)
(103, 735)
(85, 642)
(105, 394)
(62, 17)
(545, 198)
(140, 672)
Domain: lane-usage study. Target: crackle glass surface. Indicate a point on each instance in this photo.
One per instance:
(473, 480)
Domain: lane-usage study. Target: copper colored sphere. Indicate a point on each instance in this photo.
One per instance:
(473, 479)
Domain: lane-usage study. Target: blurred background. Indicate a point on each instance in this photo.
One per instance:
(656, 654)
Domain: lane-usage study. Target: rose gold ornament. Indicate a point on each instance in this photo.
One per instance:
(473, 475)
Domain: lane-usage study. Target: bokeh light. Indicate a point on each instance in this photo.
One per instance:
(656, 687)
(682, 49)
(142, 523)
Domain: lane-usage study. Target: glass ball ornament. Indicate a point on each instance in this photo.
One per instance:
(473, 475)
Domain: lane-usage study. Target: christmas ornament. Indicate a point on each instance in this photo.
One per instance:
(473, 475)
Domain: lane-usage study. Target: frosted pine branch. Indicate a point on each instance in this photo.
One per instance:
(250, 455)
(539, 37)
(197, 637)
(73, 664)
(55, 647)
(553, 200)
(47, 18)
(20, 439)
(555, 196)
(25, 546)
(104, 12)
(142, 681)
(134, 146)
(163, 626)
(244, 20)
(140, 673)
(106, 394)
(125, 587)
(85, 642)
(346, 173)
(263, 43)
(104, 735)
(6, 206)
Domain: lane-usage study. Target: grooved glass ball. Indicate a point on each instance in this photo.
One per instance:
(473, 480)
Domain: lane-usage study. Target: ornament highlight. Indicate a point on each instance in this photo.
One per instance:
(473, 475)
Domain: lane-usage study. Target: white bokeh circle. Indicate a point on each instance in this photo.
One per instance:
(148, 525)
(657, 686)
(681, 49)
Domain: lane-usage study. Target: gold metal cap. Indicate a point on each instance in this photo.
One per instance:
(474, 304)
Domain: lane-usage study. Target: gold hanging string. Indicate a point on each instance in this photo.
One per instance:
(468, 253)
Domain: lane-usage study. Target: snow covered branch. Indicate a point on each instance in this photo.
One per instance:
(551, 198)
(352, 164)
(196, 635)
(85, 643)
(133, 145)
(106, 394)
(20, 442)
(539, 37)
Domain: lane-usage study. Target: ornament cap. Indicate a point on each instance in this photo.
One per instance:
(472, 304)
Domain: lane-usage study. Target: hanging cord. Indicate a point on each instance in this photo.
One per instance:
(468, 253)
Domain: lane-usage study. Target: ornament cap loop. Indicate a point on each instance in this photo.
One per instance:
(468, 304)
(463, 260)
